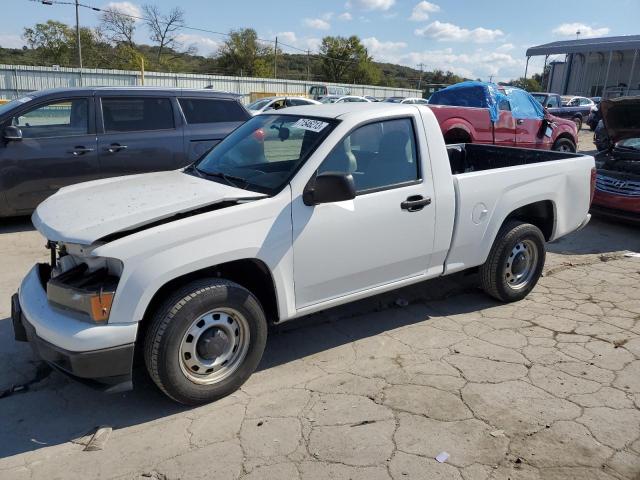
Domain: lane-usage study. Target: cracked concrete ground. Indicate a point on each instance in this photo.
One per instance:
(546, 388)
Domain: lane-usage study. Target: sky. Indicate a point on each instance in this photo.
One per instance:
(484, 39)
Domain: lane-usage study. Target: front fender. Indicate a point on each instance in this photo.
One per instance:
(152, 258)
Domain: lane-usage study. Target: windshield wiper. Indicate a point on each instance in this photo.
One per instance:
(230, 179)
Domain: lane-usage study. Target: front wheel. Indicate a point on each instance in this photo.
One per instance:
(515, 262)
(205, 341)
(564, 145)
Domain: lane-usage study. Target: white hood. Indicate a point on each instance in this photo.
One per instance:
(86, 212)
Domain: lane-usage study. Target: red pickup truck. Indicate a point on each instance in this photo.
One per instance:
(479, 112)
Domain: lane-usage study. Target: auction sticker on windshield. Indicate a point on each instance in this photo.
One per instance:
(309, 124)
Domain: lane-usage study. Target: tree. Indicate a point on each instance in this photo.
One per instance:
(347, 60)
(530, 84)
(242, 52)
(118, 28)
(51, 39)
(163, 28)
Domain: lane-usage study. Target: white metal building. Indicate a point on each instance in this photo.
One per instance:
(593, 66)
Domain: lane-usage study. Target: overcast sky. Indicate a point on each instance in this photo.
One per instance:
(464, 36)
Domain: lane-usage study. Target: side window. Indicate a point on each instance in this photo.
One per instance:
(584, 101)
(62, 118)
(294, 102)
(504, 105)
(378, 155)
(131, 114)
(206, 110)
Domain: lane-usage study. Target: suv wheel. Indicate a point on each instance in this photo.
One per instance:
(205, 341)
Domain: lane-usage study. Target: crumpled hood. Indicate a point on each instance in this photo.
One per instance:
(86, 212)
(621, 117)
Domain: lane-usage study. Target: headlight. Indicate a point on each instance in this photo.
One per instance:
(85, 289)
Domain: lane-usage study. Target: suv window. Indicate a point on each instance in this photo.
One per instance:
(378, 155)
(208, 110)
(130, 114)
(61, 118)
(585, 101)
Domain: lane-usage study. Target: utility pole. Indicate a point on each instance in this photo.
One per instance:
(275, 59)
(308, 65)
(421, 65)
(79, 46)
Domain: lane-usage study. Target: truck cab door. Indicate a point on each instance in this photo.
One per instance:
(382, 236)
(139, 133)
(505, 128)
(58, 148)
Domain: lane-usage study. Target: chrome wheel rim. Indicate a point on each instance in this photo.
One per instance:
(521, 263)
(214, 346)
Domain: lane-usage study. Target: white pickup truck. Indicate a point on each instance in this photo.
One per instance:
(296, 211)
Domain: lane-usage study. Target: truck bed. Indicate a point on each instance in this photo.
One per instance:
(473, 157)
(492, 181)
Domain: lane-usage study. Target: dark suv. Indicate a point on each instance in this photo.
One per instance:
(55, 138)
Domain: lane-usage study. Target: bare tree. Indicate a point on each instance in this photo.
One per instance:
(117, 27)
(163, 28)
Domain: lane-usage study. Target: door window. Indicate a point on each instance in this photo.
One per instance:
(553, 102)
(131, 114)
(205, 110)
(62, 118)
(294, 102)
(378, 155)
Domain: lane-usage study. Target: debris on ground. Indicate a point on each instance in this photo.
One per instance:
(94, 439)
(442, 457)
(497, 433)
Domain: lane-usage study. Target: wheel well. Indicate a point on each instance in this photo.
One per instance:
(457, 135)
(541, 214)
(252, 274)
(566, 135)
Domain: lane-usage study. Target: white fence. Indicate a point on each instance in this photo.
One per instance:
(16, 80)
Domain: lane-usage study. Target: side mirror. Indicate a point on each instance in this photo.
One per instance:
(12, 133)
(329, 187)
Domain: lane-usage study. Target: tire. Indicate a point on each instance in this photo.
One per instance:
(195, 330)
(564, 145)
(578, 122)
(499, 274)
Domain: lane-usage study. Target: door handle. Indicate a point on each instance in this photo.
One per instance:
(80, 150)
(115, 147)
(520, 121)
(415, 203)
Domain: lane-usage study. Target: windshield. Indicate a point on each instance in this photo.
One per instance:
(633, 143)
(329, 100)
(539, 97)
(264, 153)
(259, 104)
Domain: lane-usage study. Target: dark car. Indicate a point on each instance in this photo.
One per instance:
(576, 109)
(54, 138)
(617, 193)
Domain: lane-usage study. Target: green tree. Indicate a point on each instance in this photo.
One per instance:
(530, 84)
(242, 52)
(347, 60)
(51, 39)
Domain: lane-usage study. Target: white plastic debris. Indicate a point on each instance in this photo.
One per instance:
(632, 254)
(497, 433)
(442, 457)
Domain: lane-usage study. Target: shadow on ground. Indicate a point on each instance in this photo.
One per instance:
(15, 224)
(52, 409)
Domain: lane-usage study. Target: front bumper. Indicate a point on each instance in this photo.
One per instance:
(97, 354)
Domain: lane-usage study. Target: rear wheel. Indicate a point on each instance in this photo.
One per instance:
(578, 122)
(515, 262)
(564, 145)
(205, 341)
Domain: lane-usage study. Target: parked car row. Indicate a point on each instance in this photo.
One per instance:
(576, 109)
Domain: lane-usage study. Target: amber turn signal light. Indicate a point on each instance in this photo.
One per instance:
(101, 306)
